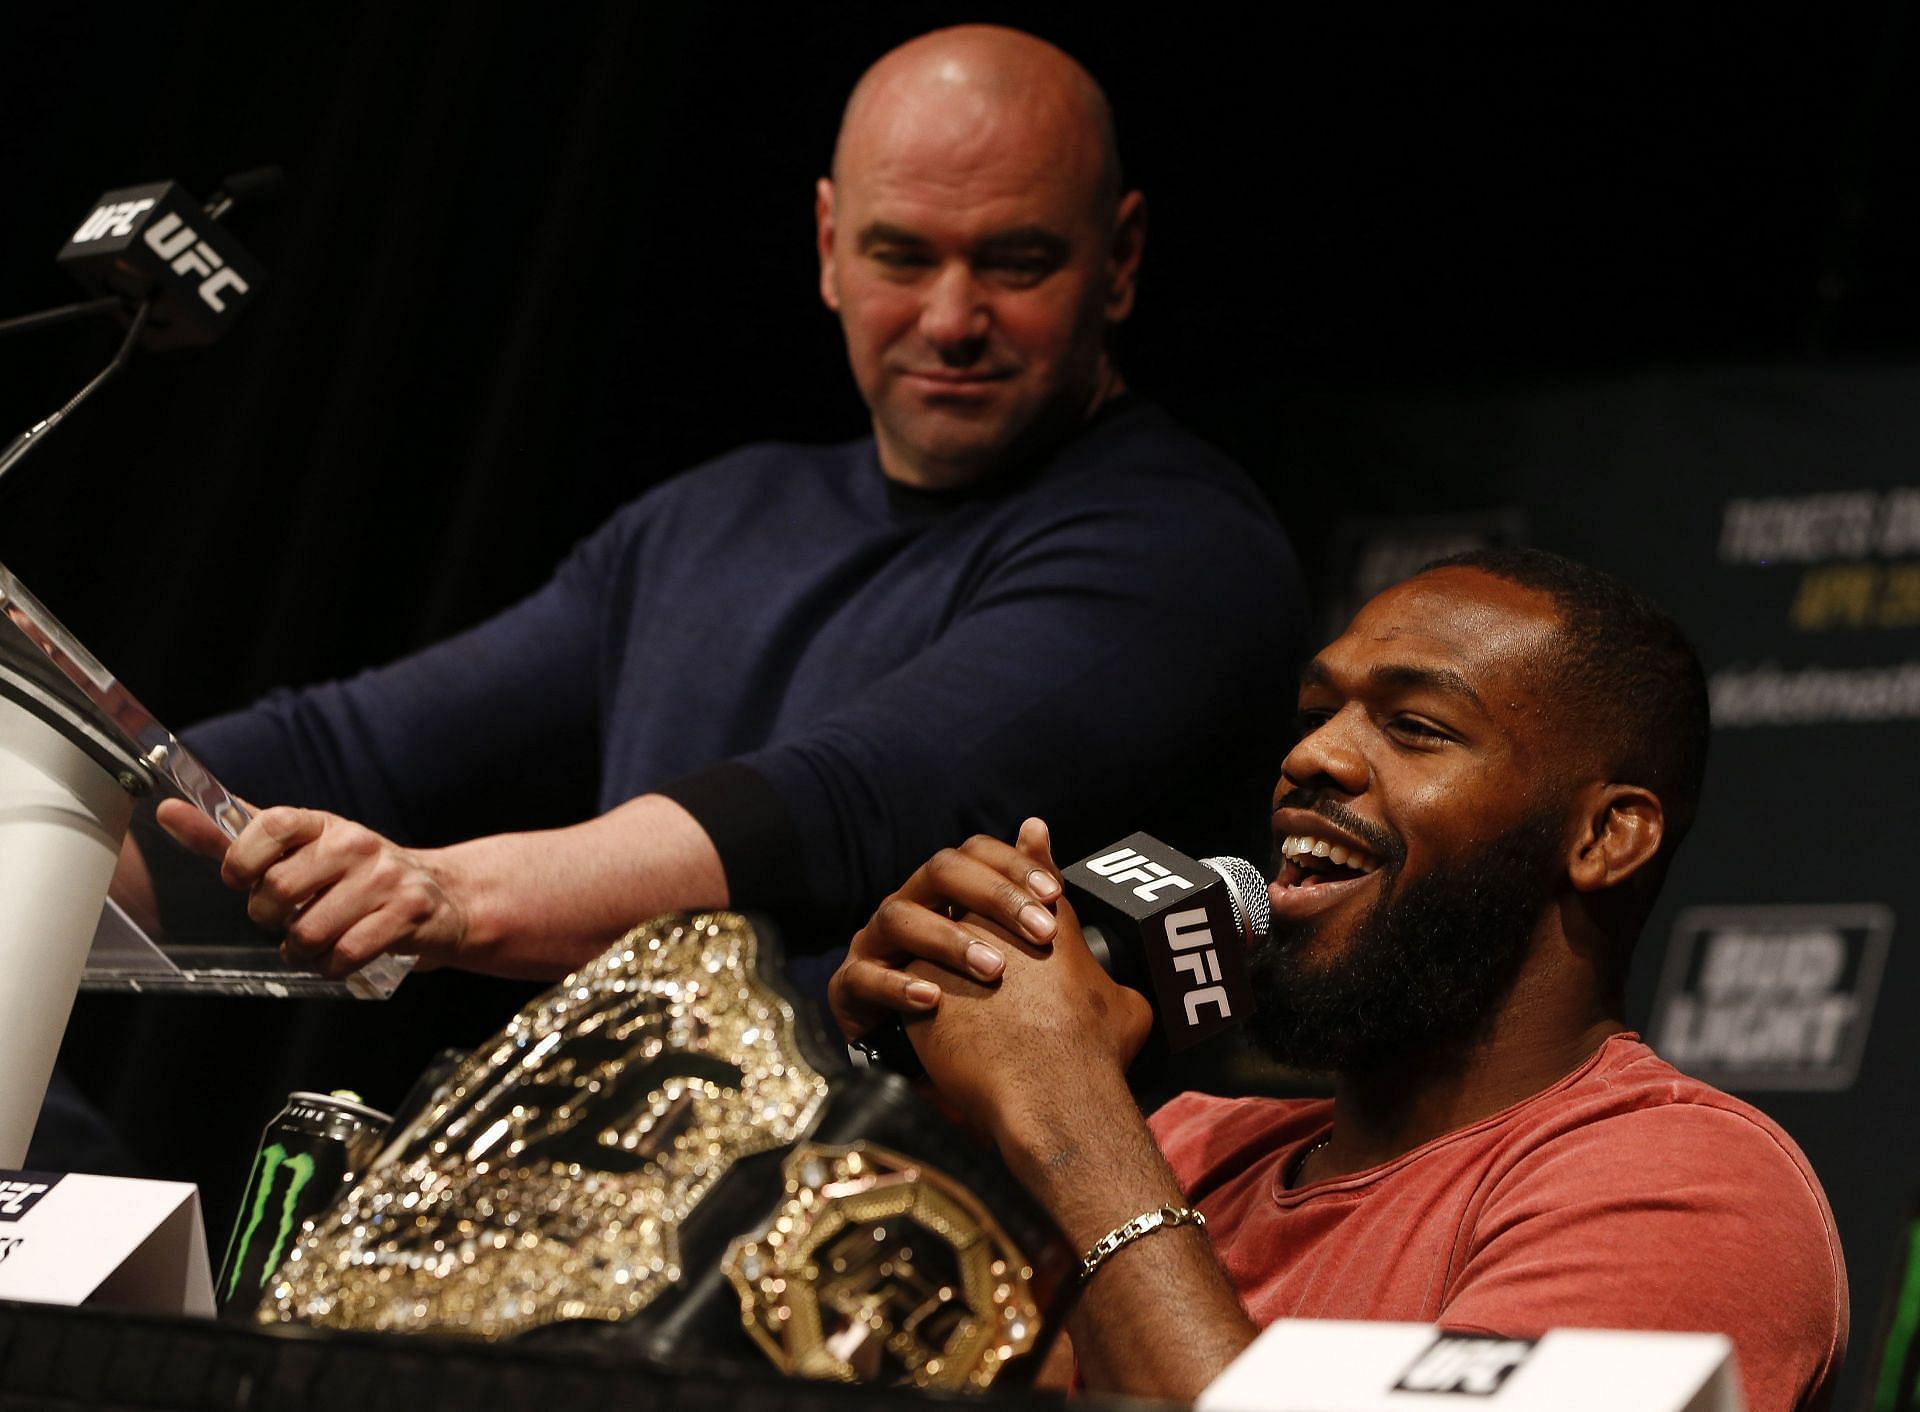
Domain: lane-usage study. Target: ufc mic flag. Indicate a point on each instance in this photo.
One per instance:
(1174, 928)
(155, 242)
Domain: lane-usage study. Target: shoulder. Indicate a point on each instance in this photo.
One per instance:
(1139, 452)
(1635, 1196)
(786, 467)
(1630, 1122)
(1632, 1108)
(769, 478)
(1137, 487)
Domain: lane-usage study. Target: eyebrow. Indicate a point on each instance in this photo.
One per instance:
(1018, 240)
(1403, 677)
(1023, 239)
(880, 233)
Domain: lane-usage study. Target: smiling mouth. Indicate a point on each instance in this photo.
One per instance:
(958, 382)
(1307, 861)
(1315, 873)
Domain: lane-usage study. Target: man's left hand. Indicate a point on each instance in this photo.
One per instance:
(337, 892)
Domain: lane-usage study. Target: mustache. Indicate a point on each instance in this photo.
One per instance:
(1388, 849)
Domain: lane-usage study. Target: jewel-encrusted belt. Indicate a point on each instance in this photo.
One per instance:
(549, 1180)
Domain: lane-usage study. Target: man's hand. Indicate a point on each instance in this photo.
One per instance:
(532, 906)
(337, 892)
(1015, 885)
(1014, 1019)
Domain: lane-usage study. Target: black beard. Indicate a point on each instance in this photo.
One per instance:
(1426, 970)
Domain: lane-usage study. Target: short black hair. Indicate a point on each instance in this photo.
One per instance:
(1625, 668)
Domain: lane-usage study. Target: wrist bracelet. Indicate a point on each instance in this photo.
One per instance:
(1146, 1223)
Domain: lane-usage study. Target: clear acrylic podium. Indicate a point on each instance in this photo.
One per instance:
(80, 759)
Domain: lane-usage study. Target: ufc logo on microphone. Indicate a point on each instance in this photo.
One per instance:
(116, 219)
(1126, 866)
(1191, 939)
(173, 240)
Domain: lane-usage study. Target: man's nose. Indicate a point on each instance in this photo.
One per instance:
(955, 318)
(1329, 755)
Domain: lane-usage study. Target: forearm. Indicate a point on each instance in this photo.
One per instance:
(1089, 1158)
(537, 905)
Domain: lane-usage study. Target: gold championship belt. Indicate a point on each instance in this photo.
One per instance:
(662, 1153)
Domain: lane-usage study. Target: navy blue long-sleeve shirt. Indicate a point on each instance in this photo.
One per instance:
(838, 675)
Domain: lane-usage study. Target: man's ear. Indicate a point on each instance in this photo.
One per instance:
(1129, 242)
(1622, 826)
(823, 235)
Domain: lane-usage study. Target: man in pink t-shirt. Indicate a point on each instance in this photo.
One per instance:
(1496, 763)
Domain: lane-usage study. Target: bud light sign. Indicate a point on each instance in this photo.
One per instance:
(1771, 996)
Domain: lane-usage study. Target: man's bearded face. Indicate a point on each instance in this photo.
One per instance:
(1423, 970)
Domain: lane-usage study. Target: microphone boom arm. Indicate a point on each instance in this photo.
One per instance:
(16, 450)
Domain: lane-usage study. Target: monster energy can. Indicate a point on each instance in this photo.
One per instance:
(311, 1150)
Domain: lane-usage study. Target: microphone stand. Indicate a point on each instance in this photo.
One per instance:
(17, 449)
(47, 318)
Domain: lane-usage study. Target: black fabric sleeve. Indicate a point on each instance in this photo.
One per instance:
(751, 828)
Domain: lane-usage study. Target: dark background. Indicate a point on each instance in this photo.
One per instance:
(530, 260)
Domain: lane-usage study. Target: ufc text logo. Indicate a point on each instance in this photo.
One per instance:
(1467, 1364)
(116, 219)
(176, 242)
(18, 1196)
(1191, 939)
(1125, 865)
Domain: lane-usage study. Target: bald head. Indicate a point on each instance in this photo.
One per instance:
(977, 78)
(977, 248)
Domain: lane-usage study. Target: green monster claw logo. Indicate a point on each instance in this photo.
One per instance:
(1899, 1382)
(300, 1172)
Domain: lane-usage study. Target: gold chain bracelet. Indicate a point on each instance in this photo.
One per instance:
(1146, 1223)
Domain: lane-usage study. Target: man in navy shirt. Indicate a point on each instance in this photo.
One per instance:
(778, 680)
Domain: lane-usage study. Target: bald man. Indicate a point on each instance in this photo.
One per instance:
(782, 678)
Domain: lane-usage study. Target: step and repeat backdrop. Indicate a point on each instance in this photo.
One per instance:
(1776, 512)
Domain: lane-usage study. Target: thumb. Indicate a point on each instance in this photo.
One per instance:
(1037, 843)
(191, 829)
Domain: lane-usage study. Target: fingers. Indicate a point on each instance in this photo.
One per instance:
(374, 934)
(996, 881)
(870, 987)
(320, 851)
(319, 910)
(1036, 842)
(1013, 886)
(904, 930)
(865, 994)
(273, 834)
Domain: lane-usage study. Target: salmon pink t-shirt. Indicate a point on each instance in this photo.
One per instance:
(1626, 1196)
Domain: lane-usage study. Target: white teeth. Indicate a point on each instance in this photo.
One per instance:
(1299, 845)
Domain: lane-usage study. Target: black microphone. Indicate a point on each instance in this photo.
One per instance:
(1176, 929)
(155, 244)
